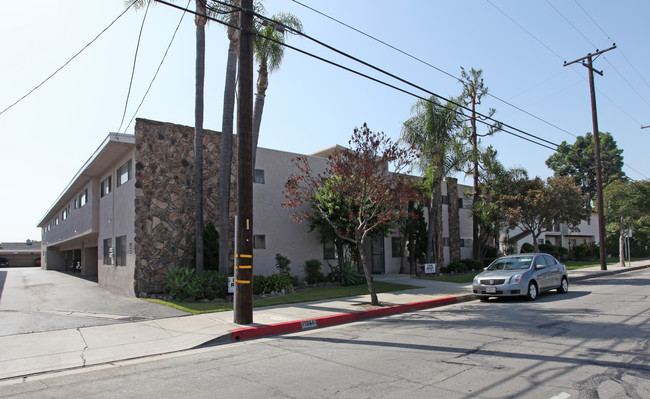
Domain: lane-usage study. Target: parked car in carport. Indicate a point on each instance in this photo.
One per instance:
(4, 262)
(521, 275)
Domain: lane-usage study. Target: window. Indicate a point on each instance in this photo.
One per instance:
(108, 251)
(64, 214)
(124, 173)
(329, 250)
(466, 242)
(259, 241)
(49, 227)
(83, 198)
(445, 200)
(120, 251)
(445, 241)
(76, 203)
(259, 176)
(397, 246)
(56, 220)
(465, 203)
(550, 260)
(106, 186)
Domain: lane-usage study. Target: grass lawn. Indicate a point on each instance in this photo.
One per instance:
(304, 295)
(572, 265)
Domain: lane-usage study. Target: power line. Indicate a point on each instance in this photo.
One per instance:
(390, 75)
(593, 45)
(288, 28)
(67, 62)
(135, 59)
(430, 65)
(157, 70)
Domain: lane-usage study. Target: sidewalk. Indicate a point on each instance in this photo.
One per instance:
(24, 355)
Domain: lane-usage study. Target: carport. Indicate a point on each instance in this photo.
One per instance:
(22, 254)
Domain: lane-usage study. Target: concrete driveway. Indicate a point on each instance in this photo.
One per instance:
(34, 300)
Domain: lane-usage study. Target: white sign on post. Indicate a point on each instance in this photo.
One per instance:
(429, 267)
(231, 285)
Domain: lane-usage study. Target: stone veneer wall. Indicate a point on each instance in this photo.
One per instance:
(164, 204)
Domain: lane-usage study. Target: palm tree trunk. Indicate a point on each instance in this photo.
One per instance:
(198, 134)
(260, 96)
(225, 161)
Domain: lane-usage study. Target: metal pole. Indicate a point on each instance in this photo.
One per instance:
(244, 272)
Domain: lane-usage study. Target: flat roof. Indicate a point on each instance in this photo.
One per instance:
(113, 146)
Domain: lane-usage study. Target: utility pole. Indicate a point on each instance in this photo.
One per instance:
(244, 270)
(599, 181)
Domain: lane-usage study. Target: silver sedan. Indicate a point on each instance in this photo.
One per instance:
(521, 275)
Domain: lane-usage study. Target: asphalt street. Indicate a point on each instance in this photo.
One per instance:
(591, 342)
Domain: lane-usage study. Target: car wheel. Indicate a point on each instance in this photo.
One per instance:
(532, 291)
(564, 286)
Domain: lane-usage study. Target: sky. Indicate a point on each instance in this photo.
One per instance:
(520, 46)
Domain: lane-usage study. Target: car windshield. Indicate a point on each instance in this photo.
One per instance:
(511, 263)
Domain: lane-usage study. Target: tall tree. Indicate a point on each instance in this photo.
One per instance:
(360, 177)
(433, 130)
(495, 181)
(533, 205)
(200, 21)
(227, 127)
(627, 206)
(577, 161)
(269, 54)
(473, 92)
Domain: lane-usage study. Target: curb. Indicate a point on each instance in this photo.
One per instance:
(241, 334)
(602, 273)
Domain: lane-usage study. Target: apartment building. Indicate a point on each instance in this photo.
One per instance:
(127, 216)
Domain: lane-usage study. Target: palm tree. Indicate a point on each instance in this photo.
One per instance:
(269, 55)
(433, 130)
(225, 159)
(200, 21)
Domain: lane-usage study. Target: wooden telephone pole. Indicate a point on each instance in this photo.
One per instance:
(599, 181)
(244, 272)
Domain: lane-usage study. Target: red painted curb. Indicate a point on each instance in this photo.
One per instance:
(241, 334)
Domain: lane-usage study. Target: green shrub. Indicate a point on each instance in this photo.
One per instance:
(259, 284)
(273, 283)
(213, 284)
(282, 265)
(527, 248)
(456, 267)
(555, 250)
(181, 283)
(313, 272)
(346, 274)
(585, 251)
(488, 261)
(473, 264)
